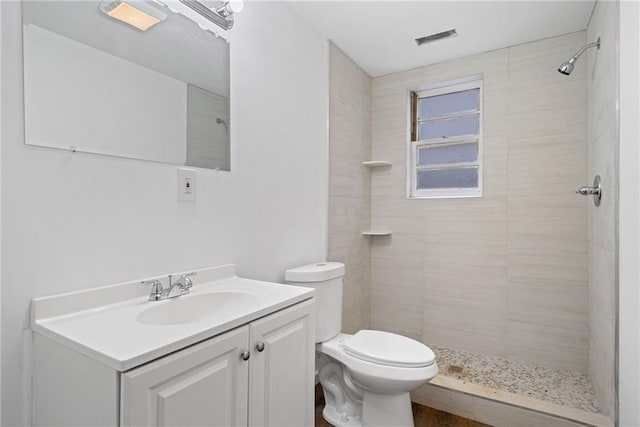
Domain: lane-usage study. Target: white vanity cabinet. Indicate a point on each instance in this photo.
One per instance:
(257, 374)
(210, 384)
(203, 385)
(281, 376)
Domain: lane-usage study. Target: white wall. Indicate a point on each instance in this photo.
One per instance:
(75, 221)
(1, 347)
(629, 211)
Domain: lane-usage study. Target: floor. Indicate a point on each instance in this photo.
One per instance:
(423, 416)
(552, 385)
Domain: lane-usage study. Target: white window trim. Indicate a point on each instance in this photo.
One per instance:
(465, 83)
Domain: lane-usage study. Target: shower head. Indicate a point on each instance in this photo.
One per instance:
(567, 67)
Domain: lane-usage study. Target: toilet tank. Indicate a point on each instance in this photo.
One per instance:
(326, 279)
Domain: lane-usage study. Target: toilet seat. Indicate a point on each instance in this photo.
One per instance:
(388, 349)
(376, 376)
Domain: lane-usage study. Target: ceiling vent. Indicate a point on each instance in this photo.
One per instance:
(438, 36)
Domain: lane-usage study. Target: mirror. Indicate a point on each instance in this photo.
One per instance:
(96, 84)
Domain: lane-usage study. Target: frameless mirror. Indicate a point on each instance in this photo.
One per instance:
(99, 83)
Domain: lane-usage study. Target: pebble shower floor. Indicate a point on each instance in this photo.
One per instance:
(551, 385)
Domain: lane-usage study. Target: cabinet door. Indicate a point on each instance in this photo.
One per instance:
(281, 380)
(202, 385)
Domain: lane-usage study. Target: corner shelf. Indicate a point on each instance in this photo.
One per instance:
(376, 163)
(380, 231)
(376, 233)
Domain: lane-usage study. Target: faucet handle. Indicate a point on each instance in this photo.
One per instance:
(156, 289)
(186, 279)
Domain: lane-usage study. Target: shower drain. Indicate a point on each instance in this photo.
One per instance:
(455, 369)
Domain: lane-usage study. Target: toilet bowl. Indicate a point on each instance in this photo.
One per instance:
(378, 386)
(366, 377)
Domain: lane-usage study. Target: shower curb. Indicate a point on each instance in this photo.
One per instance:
(500, 408)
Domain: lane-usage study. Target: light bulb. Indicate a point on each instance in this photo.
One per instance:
(235, 6)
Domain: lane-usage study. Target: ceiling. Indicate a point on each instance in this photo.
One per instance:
(379, 35)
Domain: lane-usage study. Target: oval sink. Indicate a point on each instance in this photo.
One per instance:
(194, 308)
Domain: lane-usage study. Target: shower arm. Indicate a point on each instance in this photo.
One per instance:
(575, 57)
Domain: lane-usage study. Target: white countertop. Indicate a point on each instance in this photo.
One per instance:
(111, 333)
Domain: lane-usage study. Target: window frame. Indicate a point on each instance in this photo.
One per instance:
(413, 144)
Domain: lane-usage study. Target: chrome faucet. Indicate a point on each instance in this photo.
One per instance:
(181, 286)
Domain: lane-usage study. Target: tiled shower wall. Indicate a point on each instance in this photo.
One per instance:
(349, 183)
(602, 90)
(505, 274)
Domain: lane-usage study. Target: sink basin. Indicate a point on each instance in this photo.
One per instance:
(195, 307)
(119, 327)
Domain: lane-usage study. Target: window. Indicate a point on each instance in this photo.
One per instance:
(445, 146)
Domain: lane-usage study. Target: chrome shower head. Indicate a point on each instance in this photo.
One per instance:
(567, 67)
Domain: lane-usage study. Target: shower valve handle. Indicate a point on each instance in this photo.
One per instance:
(586, 191)
(595, 191)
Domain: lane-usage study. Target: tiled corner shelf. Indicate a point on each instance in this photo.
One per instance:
(376, 163)
(376, 233)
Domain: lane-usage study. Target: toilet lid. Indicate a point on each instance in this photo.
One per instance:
(385, 348)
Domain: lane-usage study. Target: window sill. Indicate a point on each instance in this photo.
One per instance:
(444, 195)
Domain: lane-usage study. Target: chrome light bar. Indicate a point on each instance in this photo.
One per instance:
(222, 16)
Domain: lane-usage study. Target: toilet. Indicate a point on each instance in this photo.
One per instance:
(366, 377)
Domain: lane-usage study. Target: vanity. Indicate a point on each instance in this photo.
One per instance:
(231, 352)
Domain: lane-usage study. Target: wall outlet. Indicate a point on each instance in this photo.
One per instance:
(186, 185)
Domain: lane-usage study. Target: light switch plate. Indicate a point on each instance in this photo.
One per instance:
(186, 185)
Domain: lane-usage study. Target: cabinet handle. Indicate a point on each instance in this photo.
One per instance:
(260, 347)
(245, 355)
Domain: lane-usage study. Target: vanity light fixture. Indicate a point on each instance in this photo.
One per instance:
(138, 14)
(222, 15)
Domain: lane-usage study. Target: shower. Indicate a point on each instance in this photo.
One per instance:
(567, 67)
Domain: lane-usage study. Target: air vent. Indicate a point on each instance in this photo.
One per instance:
(434, 37)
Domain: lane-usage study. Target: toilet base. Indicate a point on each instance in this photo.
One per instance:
(337, 419)
(384, 410)
(378, 410)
